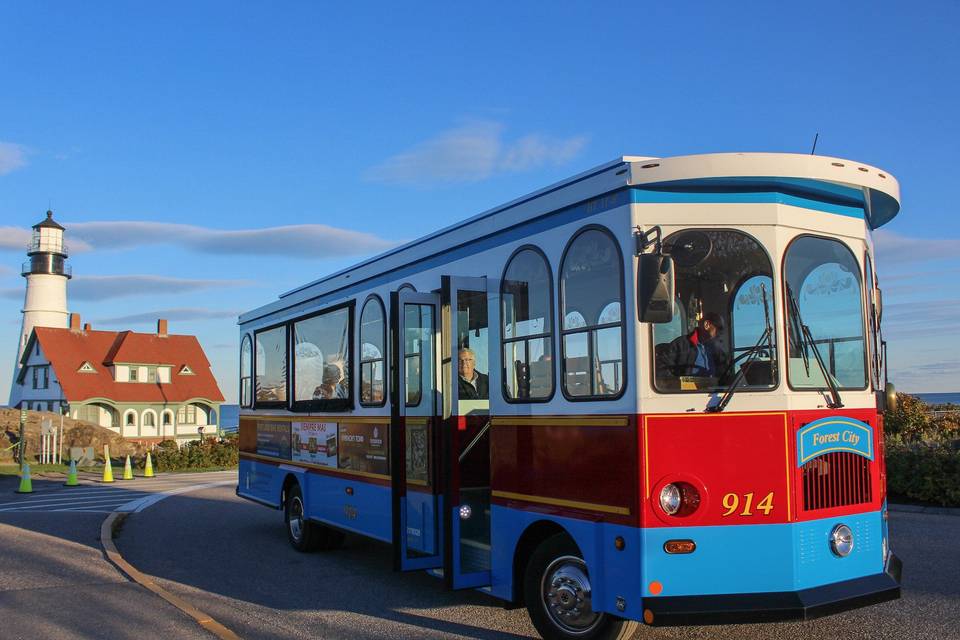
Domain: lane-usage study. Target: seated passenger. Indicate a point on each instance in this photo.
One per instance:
(698, 354)
(333, 384)
(472, 384)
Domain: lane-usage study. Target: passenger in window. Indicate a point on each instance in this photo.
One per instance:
(333, 384)
(473, 385)
(698, 354)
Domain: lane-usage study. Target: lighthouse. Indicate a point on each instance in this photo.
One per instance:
(47, 272)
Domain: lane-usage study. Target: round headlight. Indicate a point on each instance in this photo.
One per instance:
(670, 499)
(841, 540)
(465, 511)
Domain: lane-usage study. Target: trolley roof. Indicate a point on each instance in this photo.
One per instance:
(814, 176)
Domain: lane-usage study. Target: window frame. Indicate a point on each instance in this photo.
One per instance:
(786, 316)
(589, 330)
(247, 337)
(272, 404)
(383, 356)
(874, 335)
(549, 335)
(328, 405)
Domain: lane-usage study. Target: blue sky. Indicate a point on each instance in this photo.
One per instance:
(207, 156)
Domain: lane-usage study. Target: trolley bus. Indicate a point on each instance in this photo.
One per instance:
(650, 393)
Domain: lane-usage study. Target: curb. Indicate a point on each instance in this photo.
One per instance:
(919, 508)
(113, 555)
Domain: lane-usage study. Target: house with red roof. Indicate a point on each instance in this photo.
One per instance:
(144, 386)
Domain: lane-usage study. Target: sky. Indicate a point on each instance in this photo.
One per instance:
(206, 157)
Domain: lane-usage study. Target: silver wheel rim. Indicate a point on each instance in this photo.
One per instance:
(295, 521)
(567, 596)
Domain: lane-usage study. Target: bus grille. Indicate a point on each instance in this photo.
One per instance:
(836, 479)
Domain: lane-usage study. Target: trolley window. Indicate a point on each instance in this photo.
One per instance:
(526, 310)
(246, 372)
(271, 367)
(825, 307)
(591, 312)
(373, 339)
(724, 287)
(321, 361)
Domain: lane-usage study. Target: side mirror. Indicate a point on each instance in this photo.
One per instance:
(655, 288)
(890, 397)
(878, 303)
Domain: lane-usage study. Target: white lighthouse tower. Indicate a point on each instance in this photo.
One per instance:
(46, 271)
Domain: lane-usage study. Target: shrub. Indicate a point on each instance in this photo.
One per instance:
(924, 472)
(210, 453)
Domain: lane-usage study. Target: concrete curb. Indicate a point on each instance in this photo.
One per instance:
(113, 555)
(919, 508)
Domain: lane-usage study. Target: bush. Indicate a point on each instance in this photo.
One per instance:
(924, 472)
(210, 453)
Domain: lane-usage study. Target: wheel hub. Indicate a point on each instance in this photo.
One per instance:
(296, 519)
(567, 595)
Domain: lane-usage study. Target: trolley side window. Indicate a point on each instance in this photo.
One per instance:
(321, 361)
(591, 316)
(373, 339)
(246, 372)
(527, 329)
(271, 367)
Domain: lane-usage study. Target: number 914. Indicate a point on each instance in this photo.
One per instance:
(735, 504)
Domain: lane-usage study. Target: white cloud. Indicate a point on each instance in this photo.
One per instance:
(14, 239)
(895, 249)
(107, 287)
(473, 152)
(181, 313)
(301, 240)
(12, 157)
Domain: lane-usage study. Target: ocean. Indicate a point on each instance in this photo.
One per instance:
(229, 417)
(939, 398)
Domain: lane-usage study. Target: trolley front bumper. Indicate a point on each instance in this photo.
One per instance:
(778, 606)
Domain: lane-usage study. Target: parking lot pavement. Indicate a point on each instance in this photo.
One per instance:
(231, 559)
(93, 496)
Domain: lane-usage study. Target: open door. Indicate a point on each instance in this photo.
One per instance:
(414, 433)
(465, 440)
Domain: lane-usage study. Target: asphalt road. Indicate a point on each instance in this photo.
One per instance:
(231, 559)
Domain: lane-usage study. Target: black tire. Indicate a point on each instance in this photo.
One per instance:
(557, 591)
(304, 535)
(301, 533)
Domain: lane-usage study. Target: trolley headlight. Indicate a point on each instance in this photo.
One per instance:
(670, 499)
(841, 540)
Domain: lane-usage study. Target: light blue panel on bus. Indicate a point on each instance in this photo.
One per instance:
(422, 514)
(761, 558)
(367, 511)
(260, 480)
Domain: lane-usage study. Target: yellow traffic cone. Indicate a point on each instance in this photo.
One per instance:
(72, 475)
(148, 468)
(127, 470)
(26, 485)
(107, 468)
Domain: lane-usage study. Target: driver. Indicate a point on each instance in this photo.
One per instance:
(697, 354)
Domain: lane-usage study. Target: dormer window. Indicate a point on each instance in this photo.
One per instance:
(134, 371)
(186, 371)
(86, 367)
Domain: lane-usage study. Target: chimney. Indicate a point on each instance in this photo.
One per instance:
(161, 328)
(75, 322)
(86, 327)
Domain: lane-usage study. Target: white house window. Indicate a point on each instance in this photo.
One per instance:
(167, 418)
(134, 372)
(187, 414)
(131, 419)
(151, 375)
(149, 420)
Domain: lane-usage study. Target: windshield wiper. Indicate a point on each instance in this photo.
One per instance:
(806, 340)
(750, 355)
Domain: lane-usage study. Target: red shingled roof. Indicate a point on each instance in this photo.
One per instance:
(67, 351)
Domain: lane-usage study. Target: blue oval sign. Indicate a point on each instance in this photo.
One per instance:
(835, 433)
